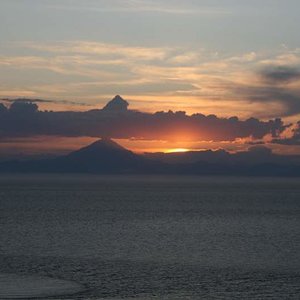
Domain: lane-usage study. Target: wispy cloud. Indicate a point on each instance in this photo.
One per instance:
(173, 77)
(139, 6)
(106, 50)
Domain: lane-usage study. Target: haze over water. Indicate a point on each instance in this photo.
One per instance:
(153, 237)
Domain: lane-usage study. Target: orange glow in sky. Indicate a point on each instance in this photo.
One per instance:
(176, 150)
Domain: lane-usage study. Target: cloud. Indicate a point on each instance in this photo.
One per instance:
(275, 88)
(291, 138)
(29, 101)
(287, 101)
(105, 50)
(23, 119)
(190, 79)
(281, 74)
(141, 6)
(22, 107)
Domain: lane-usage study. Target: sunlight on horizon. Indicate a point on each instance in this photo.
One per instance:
(177, 150)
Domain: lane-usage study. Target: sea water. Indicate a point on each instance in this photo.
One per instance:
(90, 237)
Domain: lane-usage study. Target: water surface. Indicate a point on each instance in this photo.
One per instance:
(154, 237)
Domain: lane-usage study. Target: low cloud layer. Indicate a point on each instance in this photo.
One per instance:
(293, 137)
(24, 119)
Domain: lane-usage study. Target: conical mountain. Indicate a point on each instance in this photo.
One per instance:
(98, 147)
(117, 104)
(104, 155)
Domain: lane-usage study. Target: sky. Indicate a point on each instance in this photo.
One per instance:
(221, 57)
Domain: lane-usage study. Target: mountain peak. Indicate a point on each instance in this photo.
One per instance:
(106, 143)
(104, 155)
(116, 104)
(98, 148)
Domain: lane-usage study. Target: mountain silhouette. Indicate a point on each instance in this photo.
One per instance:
(102, 156)
(117, 104)
(107, 157)
(99, 148)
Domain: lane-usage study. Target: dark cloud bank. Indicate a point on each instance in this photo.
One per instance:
(277, 79)
(278, 85)
(293, 140)
(115, 120)
(280, 74)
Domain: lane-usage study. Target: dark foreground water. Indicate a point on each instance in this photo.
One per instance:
(149, 238)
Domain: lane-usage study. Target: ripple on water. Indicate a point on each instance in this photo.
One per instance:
(20, 287)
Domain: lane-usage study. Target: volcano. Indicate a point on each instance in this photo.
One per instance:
(106, 156)
(101, 157)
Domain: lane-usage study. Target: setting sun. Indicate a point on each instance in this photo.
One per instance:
(175, 150)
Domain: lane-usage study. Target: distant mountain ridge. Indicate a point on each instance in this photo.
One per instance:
(107, 157)
(102, 156)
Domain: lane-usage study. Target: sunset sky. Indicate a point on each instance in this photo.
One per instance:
(222, 57)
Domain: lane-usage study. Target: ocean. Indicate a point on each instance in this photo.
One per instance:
(136, 237)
